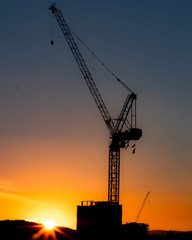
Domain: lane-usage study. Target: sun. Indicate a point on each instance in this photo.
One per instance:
(48, 230)
(49, 224)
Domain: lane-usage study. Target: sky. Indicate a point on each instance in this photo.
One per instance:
(53, 141)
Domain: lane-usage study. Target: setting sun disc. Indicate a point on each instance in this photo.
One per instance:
(49, 224)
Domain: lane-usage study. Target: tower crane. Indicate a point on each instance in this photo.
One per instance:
(142, 206)
(123, 129)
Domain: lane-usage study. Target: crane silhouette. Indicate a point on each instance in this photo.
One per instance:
(142, 206)
(123, 129)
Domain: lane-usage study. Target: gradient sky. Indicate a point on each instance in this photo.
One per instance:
(53, 141)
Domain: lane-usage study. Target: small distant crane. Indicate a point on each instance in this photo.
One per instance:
(123, 130)
(142, 206)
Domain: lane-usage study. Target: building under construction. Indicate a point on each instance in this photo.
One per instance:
(96, 215)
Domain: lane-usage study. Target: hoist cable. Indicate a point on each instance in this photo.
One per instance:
(98, 59)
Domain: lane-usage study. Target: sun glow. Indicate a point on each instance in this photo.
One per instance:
(49, 224)
(48, 230)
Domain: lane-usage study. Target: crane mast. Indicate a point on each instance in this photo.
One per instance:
(123, 130)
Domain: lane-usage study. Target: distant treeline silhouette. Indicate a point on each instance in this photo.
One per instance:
(24, 230)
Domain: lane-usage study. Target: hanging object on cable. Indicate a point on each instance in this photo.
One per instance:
(133, 152)
(52, 31)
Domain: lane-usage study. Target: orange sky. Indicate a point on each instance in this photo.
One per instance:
(40, 189)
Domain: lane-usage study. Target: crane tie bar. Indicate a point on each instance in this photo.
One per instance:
(98, 59)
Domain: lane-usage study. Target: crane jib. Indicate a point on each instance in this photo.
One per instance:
(83, 68)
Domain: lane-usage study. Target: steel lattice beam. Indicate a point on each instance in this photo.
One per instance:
(114, 172)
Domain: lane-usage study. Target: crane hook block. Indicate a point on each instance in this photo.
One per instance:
(52, 42)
